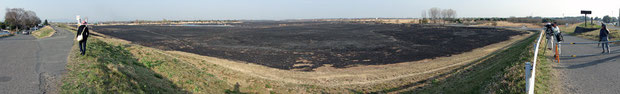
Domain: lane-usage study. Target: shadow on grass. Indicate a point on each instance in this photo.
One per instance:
(235, 90)
(112, 69)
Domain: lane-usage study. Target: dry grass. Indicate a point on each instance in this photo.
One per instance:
(6, 35)
(508, 24)
(44, 32)
(591, 35)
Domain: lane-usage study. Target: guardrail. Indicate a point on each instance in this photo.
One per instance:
(586, 55)
(530, 68)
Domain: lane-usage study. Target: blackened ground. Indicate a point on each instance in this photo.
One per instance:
(308, 45)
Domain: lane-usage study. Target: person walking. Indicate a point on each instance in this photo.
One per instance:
(82, 36)
(604, 37)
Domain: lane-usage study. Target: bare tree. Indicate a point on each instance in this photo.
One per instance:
(31, 19)
(450, 14)
(12, 19)
(444, 15)
(423, 14)
(434, 13)
(18, 18)
(423, 17)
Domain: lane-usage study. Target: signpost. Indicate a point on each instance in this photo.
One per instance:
(586, 12)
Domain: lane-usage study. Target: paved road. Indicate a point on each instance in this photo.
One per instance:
(594, 74)
(29, 65)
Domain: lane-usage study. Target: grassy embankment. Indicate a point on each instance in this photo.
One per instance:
(116, 66)
(44, 32)
(110, 68)
(6, 35)
(501, 72)
(592, 35)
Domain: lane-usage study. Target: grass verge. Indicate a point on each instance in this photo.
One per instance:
(591, 35)
(590, 25)
(44, 32)
(7, 35)
(111, 69)
(117, 68)
(501, 72)
(570, 29)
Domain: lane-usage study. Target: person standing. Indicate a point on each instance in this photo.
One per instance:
(604, 37)
(549, 34)
(558, 37)
(82, 36)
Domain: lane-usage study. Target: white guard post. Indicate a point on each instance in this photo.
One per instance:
(531, 75)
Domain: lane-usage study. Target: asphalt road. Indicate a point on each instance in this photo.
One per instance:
(29, 65)
(595, 73)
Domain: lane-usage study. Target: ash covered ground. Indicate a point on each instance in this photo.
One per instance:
(311, 44)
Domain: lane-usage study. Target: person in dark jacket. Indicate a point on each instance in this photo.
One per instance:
(83, 31)
(604, 37)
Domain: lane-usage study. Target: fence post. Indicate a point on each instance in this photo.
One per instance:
(528, 75)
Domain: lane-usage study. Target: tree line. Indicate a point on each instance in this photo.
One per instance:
(18, 18)
(437, 14)
(609, 19)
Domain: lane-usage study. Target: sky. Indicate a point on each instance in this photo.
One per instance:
(128, 10)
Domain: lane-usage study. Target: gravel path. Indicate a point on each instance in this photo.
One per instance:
(29, 65)
(589, 74)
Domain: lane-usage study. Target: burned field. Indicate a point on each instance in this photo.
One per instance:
(308, 45)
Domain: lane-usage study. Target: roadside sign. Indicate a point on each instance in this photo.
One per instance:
(586, 12)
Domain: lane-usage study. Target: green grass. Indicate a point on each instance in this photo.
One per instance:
(591, 35)
(543, 71)
(44, 32)
(570, 29)
(110, 67)
(590, 25)
(502, 72)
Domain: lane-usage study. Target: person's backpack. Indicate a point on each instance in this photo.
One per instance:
(559, 37)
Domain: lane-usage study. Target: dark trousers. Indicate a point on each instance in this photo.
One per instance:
(82, 47)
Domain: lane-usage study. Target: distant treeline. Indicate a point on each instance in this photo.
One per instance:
(559, 20)
(164, 21)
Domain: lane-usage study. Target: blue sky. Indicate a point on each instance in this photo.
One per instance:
(123, 10)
